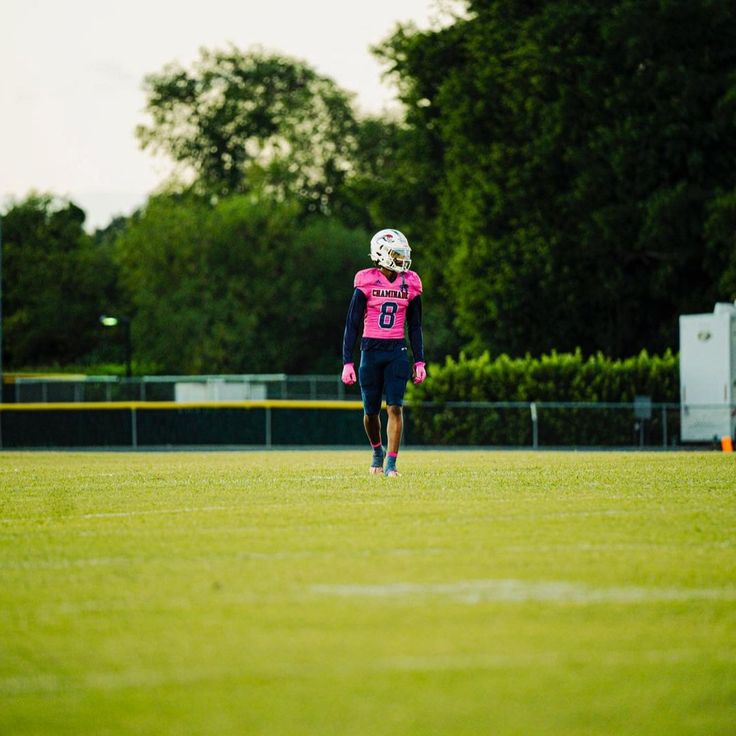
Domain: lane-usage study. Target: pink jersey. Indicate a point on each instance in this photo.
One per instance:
(385, 312)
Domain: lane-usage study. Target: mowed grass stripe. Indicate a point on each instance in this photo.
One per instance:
(291, 593)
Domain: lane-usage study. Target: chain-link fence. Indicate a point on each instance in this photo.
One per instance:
(178, 388)
(188, 410)
(544, 424)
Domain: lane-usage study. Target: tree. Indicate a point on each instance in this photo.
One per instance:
(242, 286)
(585, 158)
(55, 282)
(243, 121)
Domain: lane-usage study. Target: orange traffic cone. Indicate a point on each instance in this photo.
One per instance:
(726, 444)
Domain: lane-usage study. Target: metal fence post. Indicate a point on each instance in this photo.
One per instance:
(664, 426)
(535, 425)
(268, 427)
(133, 427)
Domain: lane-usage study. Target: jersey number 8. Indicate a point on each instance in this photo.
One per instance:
(388, 315)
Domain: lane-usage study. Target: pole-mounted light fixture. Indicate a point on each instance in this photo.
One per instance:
(109, 320)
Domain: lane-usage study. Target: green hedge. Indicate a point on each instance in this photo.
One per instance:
(566, 377)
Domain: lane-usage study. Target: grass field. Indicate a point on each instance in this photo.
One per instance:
(290, 593)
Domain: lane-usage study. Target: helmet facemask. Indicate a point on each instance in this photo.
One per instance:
(398, 258)
(390, 249)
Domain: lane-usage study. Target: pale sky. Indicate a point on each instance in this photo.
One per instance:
(71, 74)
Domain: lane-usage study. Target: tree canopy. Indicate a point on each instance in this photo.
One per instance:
(565, 172)
(239, 121)
(239, 287)
(56, 282)
(585, 156)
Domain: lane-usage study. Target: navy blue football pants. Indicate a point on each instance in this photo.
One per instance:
(383, 372)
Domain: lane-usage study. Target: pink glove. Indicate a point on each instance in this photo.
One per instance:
(420, 372)
(348, 374)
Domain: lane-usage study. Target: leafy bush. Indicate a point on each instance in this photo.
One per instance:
(557, 377)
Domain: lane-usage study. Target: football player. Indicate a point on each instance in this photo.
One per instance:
(386, 298)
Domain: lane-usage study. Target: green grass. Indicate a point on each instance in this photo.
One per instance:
(290, 593)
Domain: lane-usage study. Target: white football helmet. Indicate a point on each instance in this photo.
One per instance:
(390, 249)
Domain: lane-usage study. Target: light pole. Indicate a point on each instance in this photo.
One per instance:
(111, 321)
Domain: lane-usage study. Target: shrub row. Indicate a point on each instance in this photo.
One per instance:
(558, 377)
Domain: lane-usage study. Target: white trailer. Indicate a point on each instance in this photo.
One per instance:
(708, 374)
